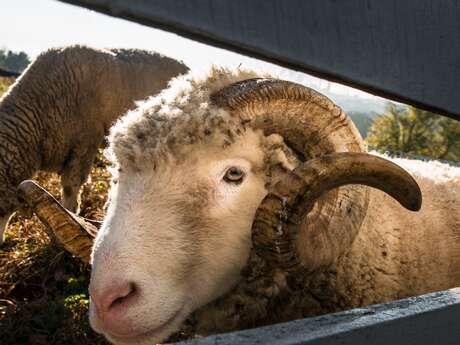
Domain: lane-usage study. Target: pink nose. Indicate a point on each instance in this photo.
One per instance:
(110, 304)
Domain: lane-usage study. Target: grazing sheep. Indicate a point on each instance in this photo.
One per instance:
(55, 116)
(215, 160)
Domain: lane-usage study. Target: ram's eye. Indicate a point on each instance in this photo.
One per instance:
(234, 175)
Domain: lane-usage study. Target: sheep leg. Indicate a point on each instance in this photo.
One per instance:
(3, 224)
(74, 175)
(71, 197)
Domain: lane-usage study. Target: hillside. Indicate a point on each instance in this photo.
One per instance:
(363, 120)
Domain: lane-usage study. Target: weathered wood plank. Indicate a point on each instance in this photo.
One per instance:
(404, 50)
(424, 320)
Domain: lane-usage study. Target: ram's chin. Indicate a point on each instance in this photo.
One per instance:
(153, 336)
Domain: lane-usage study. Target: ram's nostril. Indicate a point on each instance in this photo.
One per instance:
(113, 296)
(125, 293)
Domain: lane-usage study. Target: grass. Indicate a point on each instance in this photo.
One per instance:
(44, 290)
(5, 83)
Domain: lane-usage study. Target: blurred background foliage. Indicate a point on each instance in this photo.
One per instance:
(411, 131)
(13, 61)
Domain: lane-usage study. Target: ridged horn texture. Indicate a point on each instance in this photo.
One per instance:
(280, 215)
(74, 233)
(312, 126)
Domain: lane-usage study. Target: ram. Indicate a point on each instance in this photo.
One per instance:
(55, 116)
(241, 200)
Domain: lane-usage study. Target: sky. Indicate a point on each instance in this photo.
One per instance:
(35, 25)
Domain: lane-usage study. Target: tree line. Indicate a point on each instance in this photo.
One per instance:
(416, 132)
(13, 61)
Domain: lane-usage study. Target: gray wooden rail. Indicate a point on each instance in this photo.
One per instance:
(404, 50)
(432, 319)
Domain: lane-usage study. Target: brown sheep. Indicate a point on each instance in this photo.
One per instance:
(55, 116)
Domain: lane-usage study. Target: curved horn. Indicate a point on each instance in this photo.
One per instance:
(310, 123)
(73, 232)
(275, 234)
(312, 126)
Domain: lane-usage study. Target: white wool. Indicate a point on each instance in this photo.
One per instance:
(433, 170)
(177, 117)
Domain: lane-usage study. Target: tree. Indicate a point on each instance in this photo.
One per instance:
(414, 131)
(12, 61)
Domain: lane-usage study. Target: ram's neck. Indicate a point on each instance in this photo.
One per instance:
(399, 253)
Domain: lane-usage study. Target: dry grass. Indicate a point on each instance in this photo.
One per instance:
(43, 290)
(5, 83)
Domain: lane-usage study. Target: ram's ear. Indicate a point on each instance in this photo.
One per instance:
(74, 233)
(281, 158)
